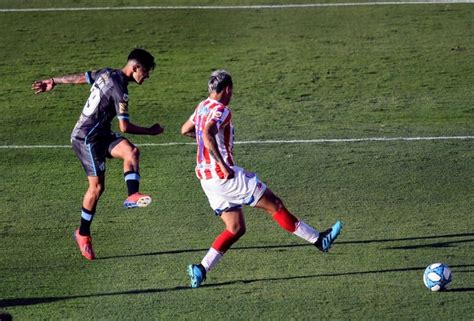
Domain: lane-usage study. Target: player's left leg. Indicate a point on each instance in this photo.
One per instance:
(130, 155)
(275, 207)
(234, 228)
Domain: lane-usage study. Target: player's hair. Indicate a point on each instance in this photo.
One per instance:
(142, 57)
(218, 81)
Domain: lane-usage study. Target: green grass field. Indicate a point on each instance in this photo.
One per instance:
(334, 72)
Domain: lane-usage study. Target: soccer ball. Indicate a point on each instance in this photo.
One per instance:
(437, 276)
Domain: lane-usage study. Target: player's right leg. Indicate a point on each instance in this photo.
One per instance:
(83, 234)
(92, 158)
(129, 153)
(235, 227)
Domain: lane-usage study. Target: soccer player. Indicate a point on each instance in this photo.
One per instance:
(93, 140)
(228, 186)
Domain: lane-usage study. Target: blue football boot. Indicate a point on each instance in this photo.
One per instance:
(327, 237)
(197, 273)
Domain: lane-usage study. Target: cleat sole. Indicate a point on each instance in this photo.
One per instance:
(143, 201)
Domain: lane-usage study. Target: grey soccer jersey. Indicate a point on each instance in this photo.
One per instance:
(108, 98)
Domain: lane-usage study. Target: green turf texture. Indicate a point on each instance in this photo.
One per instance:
(352, 72)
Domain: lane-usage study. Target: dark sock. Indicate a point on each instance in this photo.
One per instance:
(86, 221)
(133, 182)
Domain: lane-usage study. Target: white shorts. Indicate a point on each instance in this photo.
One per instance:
(244, 189)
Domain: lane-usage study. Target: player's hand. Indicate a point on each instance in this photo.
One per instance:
(228, 172)
(40, 86)
(156, 129)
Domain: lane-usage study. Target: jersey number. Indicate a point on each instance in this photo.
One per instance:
(94, 98)
(92, 102)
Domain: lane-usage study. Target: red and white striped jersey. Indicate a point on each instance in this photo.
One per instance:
(212, 110)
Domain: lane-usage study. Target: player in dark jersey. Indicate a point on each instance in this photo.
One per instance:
(93, 140)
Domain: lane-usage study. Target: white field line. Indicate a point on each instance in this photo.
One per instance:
(257, 142)
(241, 7)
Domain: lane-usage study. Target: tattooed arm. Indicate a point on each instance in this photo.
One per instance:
(45, 85)
(209, 138)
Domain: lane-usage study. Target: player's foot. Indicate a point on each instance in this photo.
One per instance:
(197, 273)
(327, 237)
(85, 245)
(137, 200)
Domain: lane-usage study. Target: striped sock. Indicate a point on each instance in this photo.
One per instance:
(306, 232)
(86, 221)
(286, 220)
(133, 182)
(220, 245)
(224, 241)
(211, 259)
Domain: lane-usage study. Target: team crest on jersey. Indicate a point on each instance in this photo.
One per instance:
(203, 111)
(123, 107)
(249, 174)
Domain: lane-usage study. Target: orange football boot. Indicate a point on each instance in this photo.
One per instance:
(137, 200)
(85, 245)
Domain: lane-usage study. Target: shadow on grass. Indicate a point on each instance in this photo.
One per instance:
(338, 242)
(435, 245)
(461, 290)
(33, 301)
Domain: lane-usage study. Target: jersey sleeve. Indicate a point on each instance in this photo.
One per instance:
(192, 118)
(121, 106)
(92, 75)
(221, 116)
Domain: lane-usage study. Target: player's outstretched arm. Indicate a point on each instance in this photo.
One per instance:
(188, 129)
(45, 85)
(130, 128)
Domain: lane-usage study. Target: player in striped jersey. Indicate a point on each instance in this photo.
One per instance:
(229, 187)
(93, 140)
(207, 166)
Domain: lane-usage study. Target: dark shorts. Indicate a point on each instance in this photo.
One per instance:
(92, 154)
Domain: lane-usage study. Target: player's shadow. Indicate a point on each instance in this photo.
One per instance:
(4, 303)
(409, 269)
(414, 238)
(435, 245)
(339, 242)
(461, 290)
(5, 316)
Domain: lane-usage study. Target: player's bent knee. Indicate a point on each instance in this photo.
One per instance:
(96, 190)
(273, 198)
(278, 202)
(237, 230)
(134, 153)
(240, 231)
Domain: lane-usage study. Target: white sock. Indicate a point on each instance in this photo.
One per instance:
(306, 232)
(211, 259)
